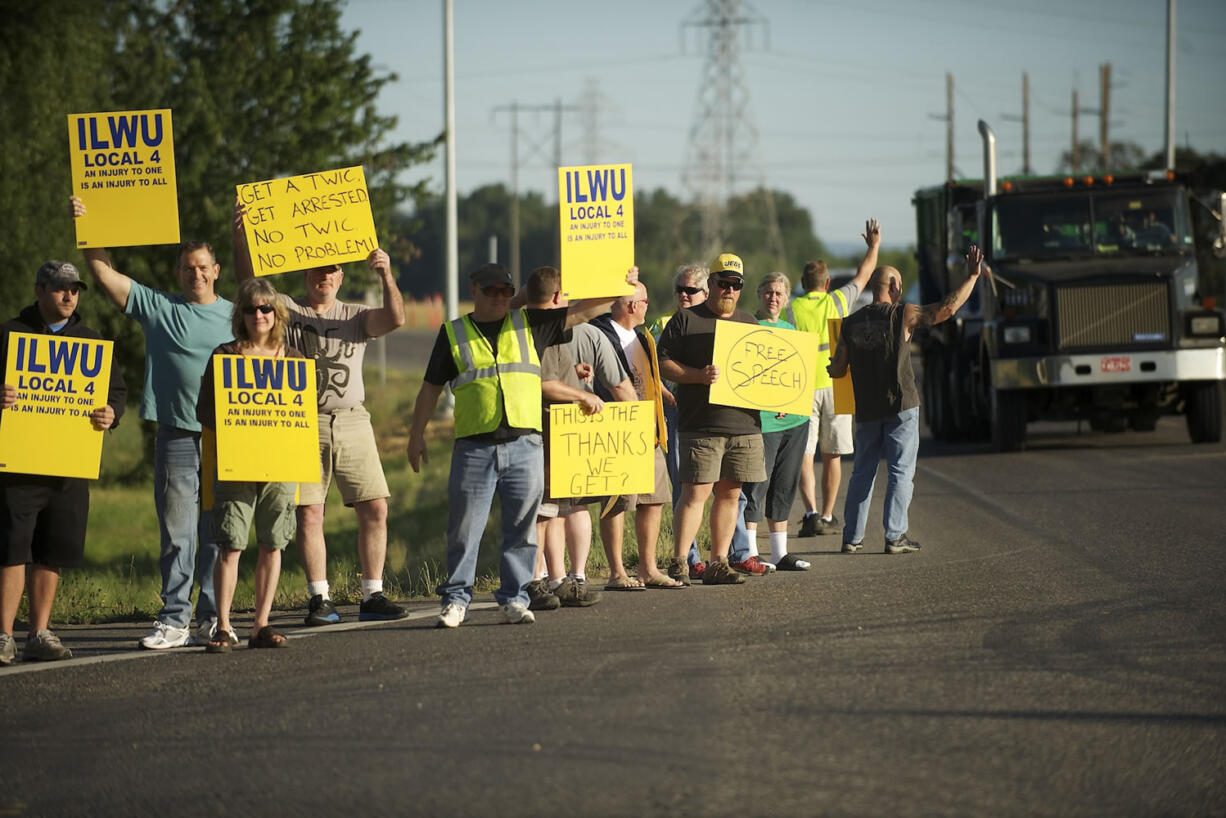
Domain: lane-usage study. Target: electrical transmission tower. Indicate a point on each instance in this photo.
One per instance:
(723, 141)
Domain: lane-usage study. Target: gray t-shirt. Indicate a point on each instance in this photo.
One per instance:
(589, 345)
(336, 340)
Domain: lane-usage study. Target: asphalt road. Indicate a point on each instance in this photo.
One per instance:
(1055, 649)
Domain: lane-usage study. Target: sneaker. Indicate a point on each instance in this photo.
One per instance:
(752, 565)
(831, 526)
(808, 526)
(680, 572)
(45, 646)
(516, 613)
(852, 547)
(379, 607)
(321, 612)
(452, 615)
(696, 570)
(902, 545)
(165, 636)
(574, 594)
(540, 598)
(204, 634)
(8, 650)
(719, 572)
(790, 562)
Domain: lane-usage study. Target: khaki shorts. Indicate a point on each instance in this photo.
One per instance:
(832, 431)
(237, 504)
(708, 458)
(348, 453)
(663, 493)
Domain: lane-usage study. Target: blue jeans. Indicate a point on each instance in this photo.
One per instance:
(897, 440)
(515, 471)
(672, 460)
(739, 551)
(176, 495)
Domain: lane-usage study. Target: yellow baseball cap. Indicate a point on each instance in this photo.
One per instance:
(728, 266)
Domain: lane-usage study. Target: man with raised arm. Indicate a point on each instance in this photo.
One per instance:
(181, 331)
(335, 335)
(491, 358)
(828, 432)
(876, 343)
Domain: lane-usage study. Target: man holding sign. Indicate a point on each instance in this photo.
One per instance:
(335, 334)
(492, 360)
(181, 330)
(42, 518)
(720, 446)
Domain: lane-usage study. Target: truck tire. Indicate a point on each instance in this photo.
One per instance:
(1203, 410)
(936, 387)
(1008, 420)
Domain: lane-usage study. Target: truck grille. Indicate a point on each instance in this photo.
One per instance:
(1120, 315)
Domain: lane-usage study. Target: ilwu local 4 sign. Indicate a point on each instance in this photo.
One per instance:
(267, 419)
(123, 170)
(59, 382)
(596, 212)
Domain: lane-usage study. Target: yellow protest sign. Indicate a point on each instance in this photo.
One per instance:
(300, 222)
(762, 367)
(610, 452)
(123, 170)
(596, 213)
(59, 382)
(267, 419)
(844, 396)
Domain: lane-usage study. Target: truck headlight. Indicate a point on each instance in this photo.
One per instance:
(1205, 324)
(1017, 334)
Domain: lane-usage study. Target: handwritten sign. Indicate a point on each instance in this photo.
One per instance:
(59, 382)
(844, 396)
(267, 420)
(596, 212)
(123, 169)
(301, 222)
(764, 368)
(610, 452)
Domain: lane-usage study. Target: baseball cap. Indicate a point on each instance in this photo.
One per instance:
(59, 275)
(728, 266)
(491, 275)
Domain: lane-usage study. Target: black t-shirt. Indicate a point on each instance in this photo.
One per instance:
(548, 328)
(689, 339)
(880, 358)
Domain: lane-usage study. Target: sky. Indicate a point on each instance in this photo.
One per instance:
(848, 98)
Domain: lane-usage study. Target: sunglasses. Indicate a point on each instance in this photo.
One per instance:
(495, 291)
(689, 290)
(729, 285)
(252, 309)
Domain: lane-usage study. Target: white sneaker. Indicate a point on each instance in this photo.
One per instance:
(516, 614)
(165, 636)
(452, 615)
(204, 634)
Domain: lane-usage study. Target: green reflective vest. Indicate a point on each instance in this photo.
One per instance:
(487, 386)
(810, 312)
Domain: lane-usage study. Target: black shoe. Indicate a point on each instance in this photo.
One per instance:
(852, 547)
(831, 526)
(808, 526)
(574, 594)
(540, 598)
(379, 607)
(902, 545)
(321, 611)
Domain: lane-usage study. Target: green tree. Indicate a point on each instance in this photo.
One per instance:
(1124, 157)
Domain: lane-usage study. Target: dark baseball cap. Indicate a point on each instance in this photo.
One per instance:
(59, 275)
(490, 275)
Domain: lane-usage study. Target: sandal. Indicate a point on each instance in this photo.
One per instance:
(624, 584)
(219, 642)
(266, 637)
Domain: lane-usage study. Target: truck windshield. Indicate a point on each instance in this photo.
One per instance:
(1084, 223)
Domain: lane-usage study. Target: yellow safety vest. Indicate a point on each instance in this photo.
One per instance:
(810, 312)
(486, 385)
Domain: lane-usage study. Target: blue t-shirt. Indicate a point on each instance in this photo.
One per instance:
(179, 338)
(769, 422)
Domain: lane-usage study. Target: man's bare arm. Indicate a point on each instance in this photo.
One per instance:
(624, 391)
(243, 271)
(560, 391)
(427, 399)
(113, 283)
(930, 315)
(837, 367)
(585, 309)
(391, 315)
(680, 373)
(872, 237)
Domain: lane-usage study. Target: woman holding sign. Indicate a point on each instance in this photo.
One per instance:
(259, 324)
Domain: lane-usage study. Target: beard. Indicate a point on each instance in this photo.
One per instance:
(727, 303)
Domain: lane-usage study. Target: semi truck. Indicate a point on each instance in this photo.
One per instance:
(1104, 303)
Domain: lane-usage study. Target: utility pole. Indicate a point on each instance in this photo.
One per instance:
(1170, 85)
(1025, 120)
(948, 119)
(1104, 115)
